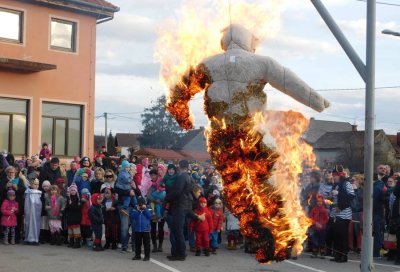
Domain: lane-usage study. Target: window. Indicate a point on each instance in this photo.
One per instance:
(61, 128)
(13, 125)
(13, 19)
(63, 35)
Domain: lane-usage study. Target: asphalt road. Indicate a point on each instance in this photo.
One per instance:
(46, 258)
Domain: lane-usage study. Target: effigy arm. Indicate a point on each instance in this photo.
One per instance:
(289, 83)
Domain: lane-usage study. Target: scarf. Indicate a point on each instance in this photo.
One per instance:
(54, 205)
(169, 179)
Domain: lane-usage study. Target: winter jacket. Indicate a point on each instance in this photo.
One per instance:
(49, 174)
(70, 176)
(95, 186)
(232, 223)
(319, 214)
(85, 213)
(142, 219)
(73, 210)
(82, 184)
(379, 190)
(19, 193)
(206, 225)
(60, 203)
(96, 214)
(180, 195)
(9, 218)
(218, 218)
(110, 216)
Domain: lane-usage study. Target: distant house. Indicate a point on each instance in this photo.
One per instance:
(317, 128)
(395, 140)
(193, 145)
(347, 148)
(125, 142)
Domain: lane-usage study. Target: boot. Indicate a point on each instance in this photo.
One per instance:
(71, 242)
(77, 243)
(5, 240)
(322, 253)
(42, 236)
(230, 245)
(97, 247)
(52, 239)
(59, 239)
(234, 245)
(154, 248)
(114, 245)
(198, 252)
(12, 240)
(314, 253)
(207, 252)
(213, 250)
(159, 249)
(107, 245)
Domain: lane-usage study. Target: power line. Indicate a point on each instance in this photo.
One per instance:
(382, 3)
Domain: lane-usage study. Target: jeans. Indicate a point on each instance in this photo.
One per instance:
(318, 238)
(124, 237)
(377, 233)
(178, 222)
(171, 237)
(214, 239)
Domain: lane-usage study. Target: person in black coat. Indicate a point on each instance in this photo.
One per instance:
(51, 171)
(74, 217)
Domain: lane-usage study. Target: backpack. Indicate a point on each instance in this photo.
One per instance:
(343, 198)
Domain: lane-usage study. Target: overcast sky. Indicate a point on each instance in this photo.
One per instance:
(127, 75)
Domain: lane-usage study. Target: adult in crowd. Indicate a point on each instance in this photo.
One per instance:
(342, 194)
(73, 167)
(109, 179)
(157, 223)
(123, 214)
(378, 195)
(52, 171)
(17, 183)
(356, 224)
(98, 181)
(395, 218)
(180, 199)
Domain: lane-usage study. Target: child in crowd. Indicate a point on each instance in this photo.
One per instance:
(33, 210)
(9, 209)
(110, 219)
(124, 183)
(320, 216)
(44, 236)
(55, 205)
(83, 182)
(86, 230)
(74, 217)
(142, 216)
(202, 229)
(96, 218)
(45, 152)
(159, 195)
(233, 230)
(217, 214)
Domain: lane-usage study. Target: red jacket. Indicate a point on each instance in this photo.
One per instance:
(319, 214)
(85, 213)
(206, 225)
(218, 218)
(9, 218)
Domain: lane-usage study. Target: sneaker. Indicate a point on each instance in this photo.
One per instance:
(146, 258)
(124, 250)
(136, 258)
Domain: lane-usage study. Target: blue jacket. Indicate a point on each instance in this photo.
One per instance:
(142, 219)
(82, 184)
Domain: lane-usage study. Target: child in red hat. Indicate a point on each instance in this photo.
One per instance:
(96, 218)
(202, 229)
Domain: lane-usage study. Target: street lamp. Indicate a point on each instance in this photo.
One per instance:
(390, 32)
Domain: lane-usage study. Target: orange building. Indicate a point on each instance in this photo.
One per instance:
(47, 74)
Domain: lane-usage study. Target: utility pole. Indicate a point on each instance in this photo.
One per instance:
(367, 73)
(105, 134)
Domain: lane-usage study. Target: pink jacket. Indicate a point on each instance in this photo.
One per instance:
(9, 218)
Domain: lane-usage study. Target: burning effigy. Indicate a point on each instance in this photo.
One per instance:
(259, 155)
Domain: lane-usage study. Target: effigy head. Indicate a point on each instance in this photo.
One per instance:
(239, 36)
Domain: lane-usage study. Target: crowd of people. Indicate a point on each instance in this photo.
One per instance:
(333, 199)
(131, 200)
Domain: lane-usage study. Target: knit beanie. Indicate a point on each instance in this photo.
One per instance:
(10, 193)
(73, 187)
(46, 183)
(125, 164)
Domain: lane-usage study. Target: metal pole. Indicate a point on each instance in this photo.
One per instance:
(367, 241)
(351, 53)
(105, 134)
(367, 73)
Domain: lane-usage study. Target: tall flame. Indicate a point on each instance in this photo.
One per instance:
(196, 34)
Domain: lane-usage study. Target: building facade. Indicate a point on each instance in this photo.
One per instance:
(47, 74)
